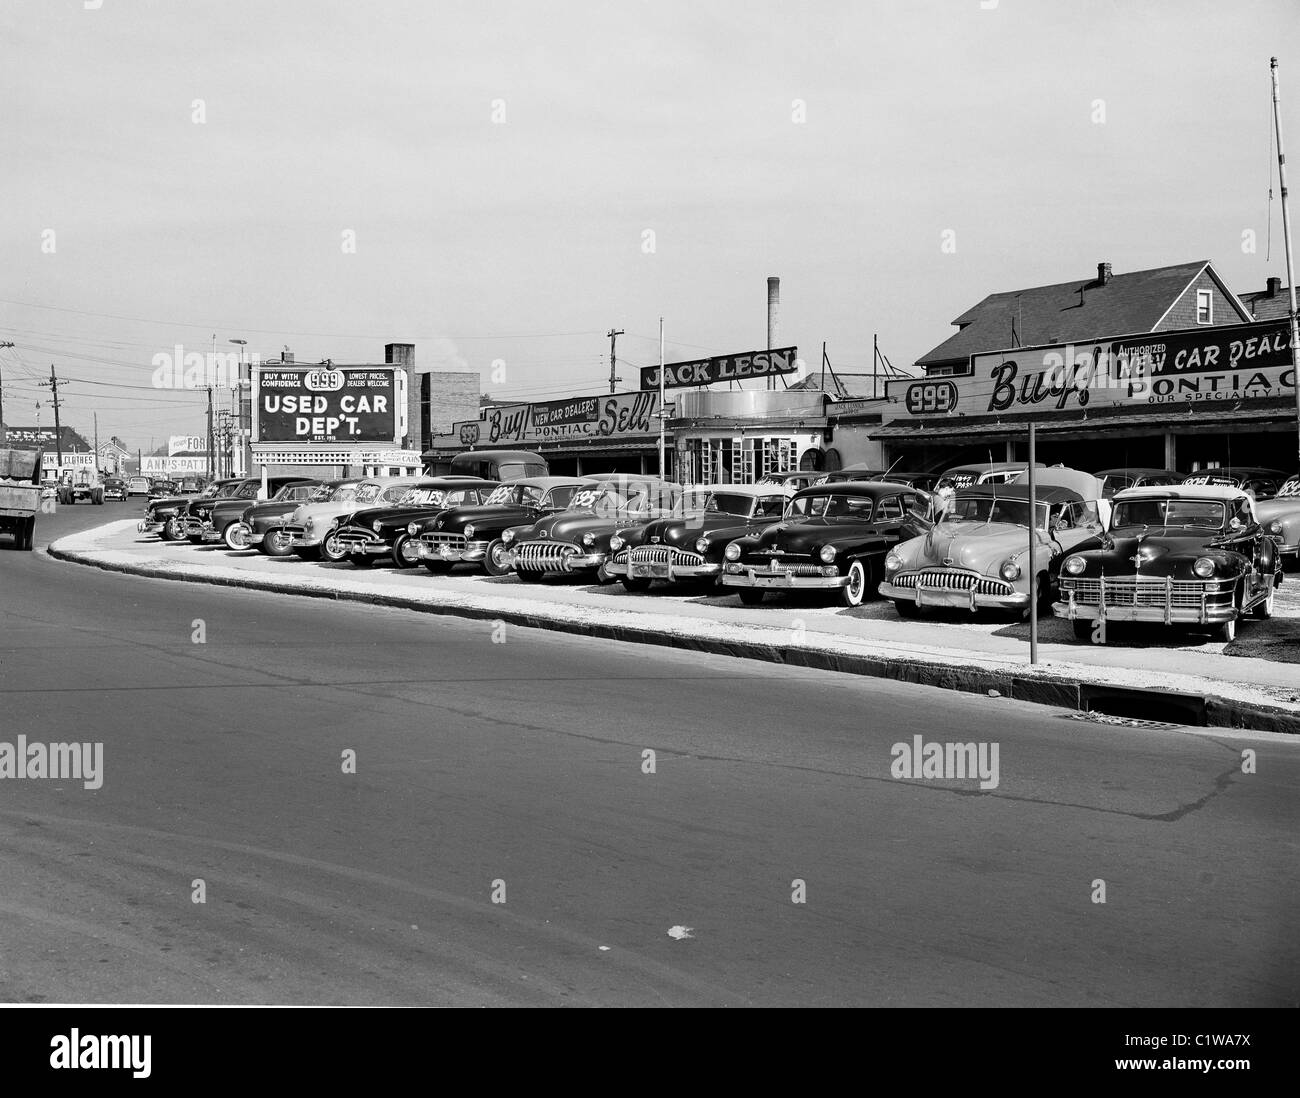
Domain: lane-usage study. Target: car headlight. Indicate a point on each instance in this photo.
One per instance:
(828, 553)
(588, 540)
(893, 563)
(1275, 527)
(732, 552)
(507, 537)
(469, 530)
(701, 545)
(615, 543)
(1074, 565)
(1009, 570)
(1203, 567)
(376, 526)
(412, 529)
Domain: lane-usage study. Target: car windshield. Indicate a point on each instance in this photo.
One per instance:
(1014, 512)
(1290, 490)
(1197, 514)
(502, 495)
(227, 491)
(831, 506)
(560, 498)
(614, 500)
(344, 493)
(1219, 480)
(320, 493)
(730, 503)
(423, 497)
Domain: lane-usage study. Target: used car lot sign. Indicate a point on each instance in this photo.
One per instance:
(338, 404)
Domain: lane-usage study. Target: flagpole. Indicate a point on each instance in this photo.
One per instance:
(1286, 236)
(661, 398)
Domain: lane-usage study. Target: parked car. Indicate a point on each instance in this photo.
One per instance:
(259, 523)
(164, 489)
(1280, 517)
(473, 534)
(689, 543)
(115, 488)
(922, 482)
(1177, 555)
(803, 478)
(498, 465)
(977, 555)
(206, 519)
(857, 471)
(832, 537)
(165, 516)
(576, 541)
(371, 534)
(1116, 480)
(138, 486)
(994, 472)
(192, 484)
(1261, 483)
(311, 524)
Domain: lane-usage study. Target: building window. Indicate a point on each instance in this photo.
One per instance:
(1204, 307)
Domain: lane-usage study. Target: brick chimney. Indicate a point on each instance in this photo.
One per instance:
(1104, 273)
(417, 409)
(1274, 286)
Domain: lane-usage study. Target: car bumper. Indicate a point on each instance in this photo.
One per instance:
(551, 563)
(744, 575)
(1152, 601)
(358, 543)
(949, 598)
(469, 552)
(144, 526)
(669, 571)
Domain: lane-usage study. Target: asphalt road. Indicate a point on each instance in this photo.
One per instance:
(484, 757)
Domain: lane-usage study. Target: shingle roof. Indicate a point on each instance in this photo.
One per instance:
(1268, 306)
(1128, 303)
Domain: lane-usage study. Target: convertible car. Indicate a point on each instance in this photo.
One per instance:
(1181, 555)
(977, 555)
(832, 537)
(689, 543)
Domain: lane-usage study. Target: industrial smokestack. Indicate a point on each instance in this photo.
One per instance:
(773, 308)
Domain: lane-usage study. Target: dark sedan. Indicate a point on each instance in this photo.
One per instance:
(832, 537)
(378, 533)
(256, 520)
(209, 520)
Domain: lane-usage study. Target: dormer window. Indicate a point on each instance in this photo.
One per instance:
(1204, 307)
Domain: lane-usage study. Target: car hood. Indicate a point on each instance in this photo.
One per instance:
(270, 509)
(392, 516)
(981, 547)
(1277, 507)
(807, 537)
(497, 517)
(1158, 555)
(573, 525)
(305, 511)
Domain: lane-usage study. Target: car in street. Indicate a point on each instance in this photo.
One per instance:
(258, 520)
(1116, 480)
(831, 538)
(311, 525)
(688, 544)
(164, 489)
(1260, 482)
(976, 556)
(373, 534)
(1280, 517)
(1186, 554)
(138, 486)
(165, 516)
(473, 534)
(115, 488)
(576, 541)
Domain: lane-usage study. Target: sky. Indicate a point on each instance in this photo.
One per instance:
(518, 178)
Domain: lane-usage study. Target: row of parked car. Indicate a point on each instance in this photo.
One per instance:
(1169, 551)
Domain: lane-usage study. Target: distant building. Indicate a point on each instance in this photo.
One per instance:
(1269, 303)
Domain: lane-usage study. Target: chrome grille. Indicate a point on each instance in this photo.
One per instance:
(950, 580)
(354, 539)
(776, 567)
(649, 554)
(544, 556)
(1144, 591)
(438, 540)
(294, 531)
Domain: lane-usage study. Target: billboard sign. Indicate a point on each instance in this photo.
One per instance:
(1200, 366)
(707, 371)
(157, 466)
(329, 404)
(186, 444)
(623, 415)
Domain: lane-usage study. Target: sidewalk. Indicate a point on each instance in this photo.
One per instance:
(1251, 685)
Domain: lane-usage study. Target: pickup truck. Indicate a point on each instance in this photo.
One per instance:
(20, 495)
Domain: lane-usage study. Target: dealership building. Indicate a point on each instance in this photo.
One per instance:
(1165, 368)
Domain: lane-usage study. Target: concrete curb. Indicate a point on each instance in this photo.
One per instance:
(1060, 691)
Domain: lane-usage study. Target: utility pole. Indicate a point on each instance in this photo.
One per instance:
(210, 477)
(1286, 236)
(97, 441)
(613, 334)
(53, 385)
(3, 429)
(663, 415)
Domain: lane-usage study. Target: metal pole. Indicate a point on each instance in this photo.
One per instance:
(662, 417)
(1033, 537)
(613, 334)
(1286, 236)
